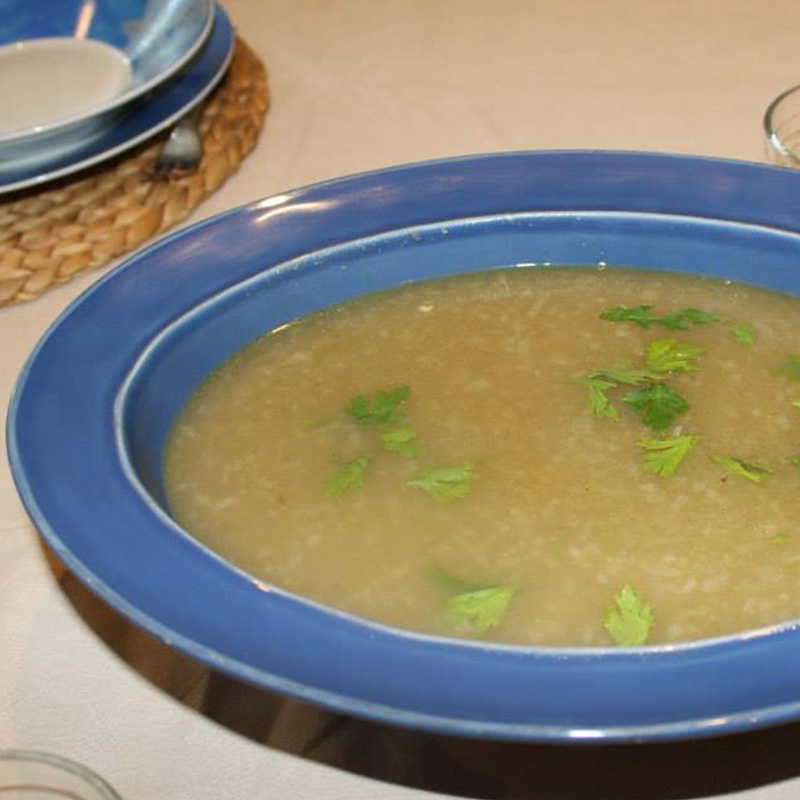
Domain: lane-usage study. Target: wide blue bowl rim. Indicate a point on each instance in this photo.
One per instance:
(735, 193)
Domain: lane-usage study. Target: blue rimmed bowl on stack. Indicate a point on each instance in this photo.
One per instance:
(88, 81)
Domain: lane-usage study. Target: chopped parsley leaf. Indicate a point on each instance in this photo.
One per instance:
(600, 381)
(401, 441)
(452, 583)
(779, 538)
(669, 355)
(480, 609)
(643, 316)
(598, 399)
(348, 478)
(445, 483)
(664, 456)
(752, 472)
(384, 409)
(788, 368)
(744, 334)
(629, 619)
(659, 405)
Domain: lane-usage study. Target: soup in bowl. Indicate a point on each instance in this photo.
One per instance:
(528, 418)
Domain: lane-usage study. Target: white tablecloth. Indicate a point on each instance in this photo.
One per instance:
(357, 85)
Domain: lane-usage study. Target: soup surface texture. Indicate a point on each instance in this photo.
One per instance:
(486, 456)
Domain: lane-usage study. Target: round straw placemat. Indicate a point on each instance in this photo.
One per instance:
(50, 234)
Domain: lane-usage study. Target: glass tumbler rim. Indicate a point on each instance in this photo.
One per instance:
(771, 129)
(65, 764)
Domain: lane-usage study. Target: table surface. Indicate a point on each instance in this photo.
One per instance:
(358, 85)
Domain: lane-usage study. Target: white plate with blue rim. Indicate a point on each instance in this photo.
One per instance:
(150, 114)
(68, 76)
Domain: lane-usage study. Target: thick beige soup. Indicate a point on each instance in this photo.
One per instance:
(485, 456)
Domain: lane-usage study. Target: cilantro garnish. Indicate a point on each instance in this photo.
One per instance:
(643, 316)
(669, 355)
(795, 460)
(452, 583)
(629, 619)
(445, 483)
(788, 368)
(753, 472)
(348, 478)
(480, 609)
(472, 605)
(664, 456)
(384, 408)
(598, 399)
(401, 441)
(744, 334)
(796, 403)
(600, 381)
(658, 404)
(779, 538)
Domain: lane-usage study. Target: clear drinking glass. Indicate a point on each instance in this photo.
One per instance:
(31, 775)
(782, 129)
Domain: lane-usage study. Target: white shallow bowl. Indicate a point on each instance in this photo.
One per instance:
(67, 76)
(46, 81)
(149, 115)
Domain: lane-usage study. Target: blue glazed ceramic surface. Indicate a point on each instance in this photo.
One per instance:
(148, 115)
(91, 412)
(158, 37)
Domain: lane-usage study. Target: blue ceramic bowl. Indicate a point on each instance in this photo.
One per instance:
(94, 404)
(158, 37)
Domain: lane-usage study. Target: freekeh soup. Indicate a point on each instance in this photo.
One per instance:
(565, 457)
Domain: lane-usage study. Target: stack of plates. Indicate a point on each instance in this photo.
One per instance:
(99, 77)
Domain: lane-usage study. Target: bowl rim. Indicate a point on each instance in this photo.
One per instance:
(357, 191)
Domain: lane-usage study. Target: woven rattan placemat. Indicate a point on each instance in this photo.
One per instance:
(51, 234)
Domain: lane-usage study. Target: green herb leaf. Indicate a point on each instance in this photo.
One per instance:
(682, 320)
(659, 405)
(664, 456)
(642, 316)
(446, 483)
(480, 609)
(744, 334)
(752, 472)
(795, 460)
(669, 355)
(384, 409)
(452, 583)
(600, 381)
(629, 619)
(598, 399)
(401, 441)
(788, 368)
(348, 478)
(779, 538)
(796, 403)
(639, 315)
